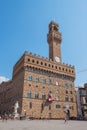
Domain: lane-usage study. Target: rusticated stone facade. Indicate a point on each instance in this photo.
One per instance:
(35, 78)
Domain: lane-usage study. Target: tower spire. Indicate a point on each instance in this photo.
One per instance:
(54, 38)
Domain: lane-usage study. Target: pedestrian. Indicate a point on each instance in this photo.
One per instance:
(66, 116)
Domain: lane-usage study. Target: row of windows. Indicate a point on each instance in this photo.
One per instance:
(51, 66)
(37, 79)
(49, 74)
(67, 92)
(66, 85)
(36, 96)
(68, 99)
(42, 106)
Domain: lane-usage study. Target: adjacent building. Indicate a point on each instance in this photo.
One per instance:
(82, 101)
(43, 87)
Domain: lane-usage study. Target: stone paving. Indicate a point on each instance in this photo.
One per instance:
(42, 125)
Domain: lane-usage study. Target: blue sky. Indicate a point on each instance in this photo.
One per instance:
(24, 26)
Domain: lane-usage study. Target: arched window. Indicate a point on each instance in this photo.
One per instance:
(36, 95)
(36, 79)
(55, 67)
(29, 77)
(41, 63)
(45, 64)
(43, 96)
(66, 99)
(28, 59)
(66, 92)
(66, 85)
(43, 80)
(32, 61)
(49, 81)
(58, 106)
(37, 62)
(28, 94)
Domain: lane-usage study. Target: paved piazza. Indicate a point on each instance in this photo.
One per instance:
(42, 125)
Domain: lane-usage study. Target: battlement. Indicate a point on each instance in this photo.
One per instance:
(36, 61)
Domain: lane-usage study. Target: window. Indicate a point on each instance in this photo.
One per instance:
(36, 79)
(50, 92)
(70, 92)
(49, 65)
(49, 107)
(41, 63)
(45, 64)
(37, 62)
(66, 92)
(43, 81)
(55, 28)
(59, 68)
(43, 96)
(83, 92)
(52, 66)
(71, 99)
(55, 67)
(30, 105)
(28, 59)
(72, 108)
(69, 70)
(66, 70)
(28, 95)
(58, 106)
(86, 99)
(29, 77)
(32, 61)
(49, 81)
(72, 71)
(36, 95)
(66, 99)
(85, 112)
(66, 85)
(70, 86)
(43, 87)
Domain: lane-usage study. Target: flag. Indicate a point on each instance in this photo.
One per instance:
(50, 98)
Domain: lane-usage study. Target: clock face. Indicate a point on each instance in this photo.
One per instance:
(57, 59)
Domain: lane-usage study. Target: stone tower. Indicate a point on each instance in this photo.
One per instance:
(54, 40)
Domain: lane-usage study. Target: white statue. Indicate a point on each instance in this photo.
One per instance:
(16, 109)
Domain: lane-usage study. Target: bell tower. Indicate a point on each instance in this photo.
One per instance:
(54, 38)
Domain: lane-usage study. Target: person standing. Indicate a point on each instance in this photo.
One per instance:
(66, 116)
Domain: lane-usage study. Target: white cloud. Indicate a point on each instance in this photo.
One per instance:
(2, 78)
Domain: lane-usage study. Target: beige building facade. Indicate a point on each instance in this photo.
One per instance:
(44, 88)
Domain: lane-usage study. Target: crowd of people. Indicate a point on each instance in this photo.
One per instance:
(5, 117)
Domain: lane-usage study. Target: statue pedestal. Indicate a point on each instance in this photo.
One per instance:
(16, 115)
